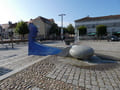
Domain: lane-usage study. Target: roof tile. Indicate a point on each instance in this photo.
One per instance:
(98, 18)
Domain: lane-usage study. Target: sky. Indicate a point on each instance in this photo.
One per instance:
(17, 10)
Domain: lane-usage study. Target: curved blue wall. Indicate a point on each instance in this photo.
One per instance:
(35, 48)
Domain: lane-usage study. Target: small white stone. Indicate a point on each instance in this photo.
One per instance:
(82, 52)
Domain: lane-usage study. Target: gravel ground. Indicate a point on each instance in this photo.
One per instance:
(35, 76)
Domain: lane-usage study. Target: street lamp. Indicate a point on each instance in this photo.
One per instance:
(62, 24)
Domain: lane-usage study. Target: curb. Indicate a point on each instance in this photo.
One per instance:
(20, 69)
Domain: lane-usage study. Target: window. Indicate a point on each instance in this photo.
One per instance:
(93, 26)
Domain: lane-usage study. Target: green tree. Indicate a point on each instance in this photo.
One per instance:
(82, 30)
(65, 30)
(22, 28)
(54, 29)
(101, 30)
(70, 29)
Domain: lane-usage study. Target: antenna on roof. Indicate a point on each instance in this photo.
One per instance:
(9, 22)
(88, 15)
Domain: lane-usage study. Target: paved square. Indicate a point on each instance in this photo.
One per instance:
(106, 76)
(53, 74)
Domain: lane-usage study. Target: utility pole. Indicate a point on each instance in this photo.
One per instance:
(76, 35)
(11, 33)
(62, 24)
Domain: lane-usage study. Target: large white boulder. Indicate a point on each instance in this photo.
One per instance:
(81, 52)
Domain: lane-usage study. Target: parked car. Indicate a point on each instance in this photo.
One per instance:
(114, 38)
(119, 38)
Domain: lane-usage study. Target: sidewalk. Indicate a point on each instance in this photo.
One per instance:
(106, 48)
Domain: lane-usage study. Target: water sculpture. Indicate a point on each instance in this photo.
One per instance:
(35, 48)
(81, 52)
(77, 51)
(86, 53)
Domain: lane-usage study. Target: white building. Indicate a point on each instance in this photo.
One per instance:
(112, 22)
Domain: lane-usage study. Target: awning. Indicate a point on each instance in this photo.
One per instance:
(91, 33)
(118, 32)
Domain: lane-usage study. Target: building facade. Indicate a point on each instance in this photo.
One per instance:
(4, 31)
(43, 26)
(7, 28)
(112, 23)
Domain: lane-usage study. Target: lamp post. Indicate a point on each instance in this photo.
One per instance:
(76, 35)
(62, 24)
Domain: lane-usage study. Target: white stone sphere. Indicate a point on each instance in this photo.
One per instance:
(81, 52)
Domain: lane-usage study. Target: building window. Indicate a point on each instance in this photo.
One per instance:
(113, 24)
(93, 26)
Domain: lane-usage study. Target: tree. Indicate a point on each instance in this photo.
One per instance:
(101, 30)
(65, 30)
(70, 29)
(22, 28)
(82, 30)
(54, 29)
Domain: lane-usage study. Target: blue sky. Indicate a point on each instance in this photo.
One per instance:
(16, 10)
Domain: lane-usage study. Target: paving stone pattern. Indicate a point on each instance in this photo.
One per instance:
(34, 78)
(99, 77)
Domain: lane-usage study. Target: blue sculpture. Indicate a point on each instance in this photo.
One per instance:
(36, 48)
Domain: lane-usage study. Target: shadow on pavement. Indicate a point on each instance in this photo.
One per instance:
(4, 71)
(65, 51)
(4, 49)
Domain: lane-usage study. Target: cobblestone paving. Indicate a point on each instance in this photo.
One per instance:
(99, 77)
(34, 77)
(51, 74)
